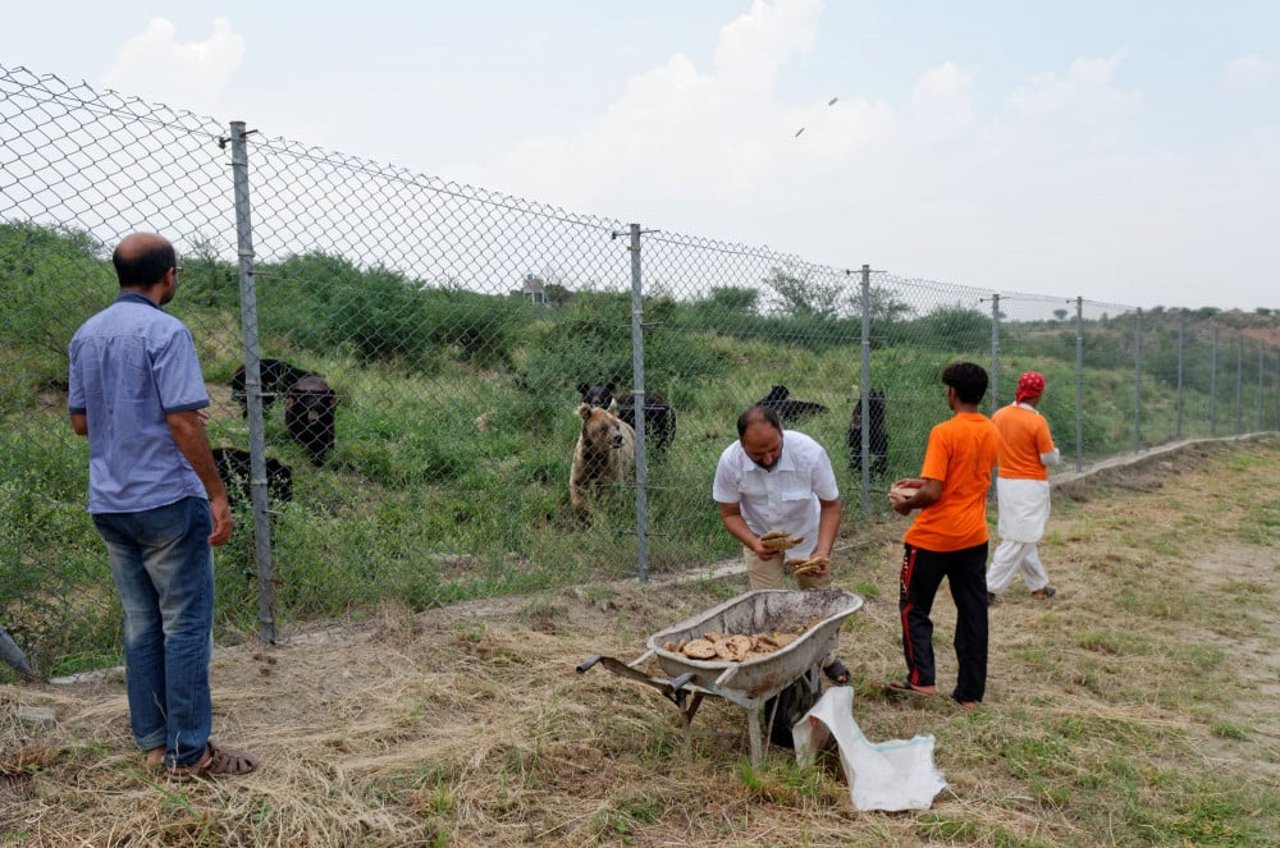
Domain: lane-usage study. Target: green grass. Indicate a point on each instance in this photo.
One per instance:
(456, 427)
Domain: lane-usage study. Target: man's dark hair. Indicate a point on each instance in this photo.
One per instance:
(969, 381)
(145, 268)
(756, 414)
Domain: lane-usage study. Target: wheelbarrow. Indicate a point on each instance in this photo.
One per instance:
(753, 682)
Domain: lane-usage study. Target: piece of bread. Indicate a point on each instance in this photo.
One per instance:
(812, 567)
(734, 649)
(700, 649)
(780, 540)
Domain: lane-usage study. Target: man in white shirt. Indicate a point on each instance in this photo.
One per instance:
(775, 479)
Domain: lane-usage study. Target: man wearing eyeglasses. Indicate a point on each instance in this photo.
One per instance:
(136, 392)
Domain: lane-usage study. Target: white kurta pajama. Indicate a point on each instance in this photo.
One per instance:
(1024, 513)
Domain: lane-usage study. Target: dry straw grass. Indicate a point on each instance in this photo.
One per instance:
(1107, 720)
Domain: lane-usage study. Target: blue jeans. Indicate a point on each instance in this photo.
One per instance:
(162, 566)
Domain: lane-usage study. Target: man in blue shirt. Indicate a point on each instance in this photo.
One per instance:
(136, 392)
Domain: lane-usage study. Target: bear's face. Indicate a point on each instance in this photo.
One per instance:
(601, 428)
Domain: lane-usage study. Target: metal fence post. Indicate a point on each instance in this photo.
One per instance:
(995, 353)
(866, 389)
(1079, 384)
(1213, 384)
(637, 370)
(1239, 385)
(253, 388)
(1261, 366)
(1137, 381)
(1182, 328)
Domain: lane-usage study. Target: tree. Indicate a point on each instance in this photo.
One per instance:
(207, 279)
(735, 299)
(1060, 314)
(956, 327)
(803, 298)
(885, 305)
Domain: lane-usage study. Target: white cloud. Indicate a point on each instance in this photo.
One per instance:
(720, 133)
(1249, 73)
(155, 65)
(752, 48)
(941, 97)
(1086, 93)
(1055, 192)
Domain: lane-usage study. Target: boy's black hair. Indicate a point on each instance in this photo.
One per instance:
(968, 379)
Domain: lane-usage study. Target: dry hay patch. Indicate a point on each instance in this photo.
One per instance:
(468, 725)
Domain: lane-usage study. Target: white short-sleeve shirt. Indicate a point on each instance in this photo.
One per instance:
(784, 498)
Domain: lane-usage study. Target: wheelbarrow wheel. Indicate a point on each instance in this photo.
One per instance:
(786, 708)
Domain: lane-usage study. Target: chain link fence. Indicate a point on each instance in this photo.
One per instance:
(415, 352)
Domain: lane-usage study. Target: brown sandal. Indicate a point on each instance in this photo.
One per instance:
(217, 762)
(905, 687)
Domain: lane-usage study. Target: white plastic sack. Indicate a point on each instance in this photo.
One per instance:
(894, 775)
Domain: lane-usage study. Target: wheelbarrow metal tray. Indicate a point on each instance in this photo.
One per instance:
(760, 611)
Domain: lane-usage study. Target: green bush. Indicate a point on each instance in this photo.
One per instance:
(322, 302)
(51, 280)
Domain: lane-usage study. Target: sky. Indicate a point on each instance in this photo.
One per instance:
(1124, 151)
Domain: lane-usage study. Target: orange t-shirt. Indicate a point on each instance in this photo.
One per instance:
(1024, 435)
(961, 454)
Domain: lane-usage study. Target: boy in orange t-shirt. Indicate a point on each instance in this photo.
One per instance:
(949, 539)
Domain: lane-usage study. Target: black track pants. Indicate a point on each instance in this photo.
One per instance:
(922, 573)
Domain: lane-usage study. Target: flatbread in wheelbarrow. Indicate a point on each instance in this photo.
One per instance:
(782, 640)
(763, 643)
(780, 540)
(700, 649)
(735, 648)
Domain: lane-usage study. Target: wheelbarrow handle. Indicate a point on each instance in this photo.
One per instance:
(725, 676)
(618, 667)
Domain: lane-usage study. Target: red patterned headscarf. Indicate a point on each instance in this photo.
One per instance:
(1030, 386)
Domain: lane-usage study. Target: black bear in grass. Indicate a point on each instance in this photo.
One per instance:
(309, 416)
(277, 376)
(877, 435)
(788, 409)
(234, 468)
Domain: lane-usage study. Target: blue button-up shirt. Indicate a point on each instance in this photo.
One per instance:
(131, 365)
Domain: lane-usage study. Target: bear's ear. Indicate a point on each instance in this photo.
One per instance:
(582, 389)
(610, 387)
(584, 411)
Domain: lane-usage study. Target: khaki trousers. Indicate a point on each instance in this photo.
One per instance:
(770, 573)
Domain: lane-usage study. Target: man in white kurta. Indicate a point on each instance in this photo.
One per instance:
(1022, 490)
